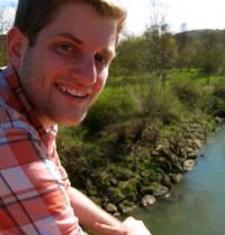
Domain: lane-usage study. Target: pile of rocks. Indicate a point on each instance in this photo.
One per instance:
(174, 157)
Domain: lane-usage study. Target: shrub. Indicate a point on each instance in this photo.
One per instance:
(218, 100)
(114, 106)
(188, 92)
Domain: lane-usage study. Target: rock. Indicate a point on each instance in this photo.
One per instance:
(189, 164)
(160, 191)
(167, 181)
(155, 153)
(173, 158)
(189, 140)
(157, 150)
(189, 150)
(197, 143)
(167, 196)
(97, 200)
(147, 189)
(159, 177)
(126, 206)
(114, 181)
(111, 208)
(148, 200)
(116, 194)
(159, 147)
(92, 192)
(218, 120)
(193, 155)
(89, 183)
(176, 178)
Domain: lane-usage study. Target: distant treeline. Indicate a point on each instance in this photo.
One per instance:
(158, 50)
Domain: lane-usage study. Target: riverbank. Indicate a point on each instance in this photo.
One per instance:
(196, 205)
(140, 139)
(157, 159)
(172, 157)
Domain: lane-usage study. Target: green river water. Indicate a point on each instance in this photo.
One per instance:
(197, 204)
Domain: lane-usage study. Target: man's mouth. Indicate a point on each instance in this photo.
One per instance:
(73, 92)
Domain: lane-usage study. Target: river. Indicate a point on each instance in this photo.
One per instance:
(197, 204)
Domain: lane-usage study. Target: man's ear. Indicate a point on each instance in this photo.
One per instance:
(17, 43)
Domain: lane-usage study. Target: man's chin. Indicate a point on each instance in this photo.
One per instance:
(71, 121)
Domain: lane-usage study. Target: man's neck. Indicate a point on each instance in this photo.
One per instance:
(46, 122)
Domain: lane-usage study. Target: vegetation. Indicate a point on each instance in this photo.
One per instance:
(159, 50)
(162, 93)
(162, 97)
(110, 156)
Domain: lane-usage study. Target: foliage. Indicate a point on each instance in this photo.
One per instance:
(115, 105)
(109, 156)
(158, 82)
(130, 57)
(218, 99)
(203, 49)
(158, 50)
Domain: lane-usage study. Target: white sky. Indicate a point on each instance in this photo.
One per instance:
(197, 14)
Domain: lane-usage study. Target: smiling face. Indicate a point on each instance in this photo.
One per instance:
(67, 68)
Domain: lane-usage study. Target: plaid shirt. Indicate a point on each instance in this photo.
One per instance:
(33, 184)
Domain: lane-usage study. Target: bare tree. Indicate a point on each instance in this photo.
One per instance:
(161, 44)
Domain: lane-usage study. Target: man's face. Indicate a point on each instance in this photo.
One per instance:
(67, 68)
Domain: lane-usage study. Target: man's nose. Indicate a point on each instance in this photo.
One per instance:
(85, 71)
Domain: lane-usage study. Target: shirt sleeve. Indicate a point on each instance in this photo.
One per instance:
(33, 197)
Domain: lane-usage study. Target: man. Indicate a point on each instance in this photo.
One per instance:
(59, 53)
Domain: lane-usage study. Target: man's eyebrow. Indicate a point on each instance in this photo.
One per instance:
(109, 52)
(70, 37)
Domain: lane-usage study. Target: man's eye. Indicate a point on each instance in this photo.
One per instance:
(65, 48)
(101, 60)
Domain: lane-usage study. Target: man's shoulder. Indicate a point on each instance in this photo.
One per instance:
(10, 117)
(13, 122)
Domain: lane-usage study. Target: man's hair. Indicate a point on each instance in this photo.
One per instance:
(33, 15)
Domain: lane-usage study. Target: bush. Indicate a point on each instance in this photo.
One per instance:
(218, 100)
(188, 92)
(114, 106)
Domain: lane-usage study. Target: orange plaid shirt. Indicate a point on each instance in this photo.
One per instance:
(33, 184)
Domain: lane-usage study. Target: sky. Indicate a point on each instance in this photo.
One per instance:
(196, 14)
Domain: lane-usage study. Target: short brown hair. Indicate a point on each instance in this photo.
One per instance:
(33, 15)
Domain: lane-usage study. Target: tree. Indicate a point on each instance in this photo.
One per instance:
(182, 47)
(160, 43)
(209, 50)
(130, 56)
